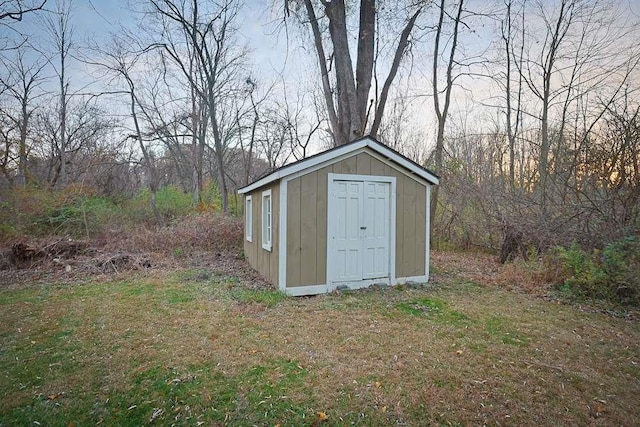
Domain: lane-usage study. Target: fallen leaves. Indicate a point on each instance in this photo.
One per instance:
(598, 408)
(156, 413)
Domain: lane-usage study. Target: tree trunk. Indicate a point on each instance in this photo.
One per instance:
(22, 147)
(338, 137)
(442, 113)
(345, 83)
(151, 173)
(63, 131)
(348, 104)
(364, 64)
(219, 153)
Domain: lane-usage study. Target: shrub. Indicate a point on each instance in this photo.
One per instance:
(37, 211)
(7, 221)
(612, 274)
(208, 231)
(211, 197)
(170, 201)
(621, 261)
(83, 216)
(79, 212)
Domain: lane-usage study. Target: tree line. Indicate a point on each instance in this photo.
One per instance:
(527, 109)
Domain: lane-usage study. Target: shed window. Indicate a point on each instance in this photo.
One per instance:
(248, 219)
(266, 220)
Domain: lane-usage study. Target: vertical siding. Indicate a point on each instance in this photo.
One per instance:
(350, 165)
(363, 164)
(308, 227)
(321, 224)
(409, 237)
(421, 228)
(293, 232)
(307, 220)
(401, 243)
(377, 167)
(265, 262)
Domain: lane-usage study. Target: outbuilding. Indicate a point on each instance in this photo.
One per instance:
(346, 218)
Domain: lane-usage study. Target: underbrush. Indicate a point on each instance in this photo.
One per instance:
(41, 229)
(209, 231)
(37, 212)
(81, 212)
(528, 275)
(611, 274)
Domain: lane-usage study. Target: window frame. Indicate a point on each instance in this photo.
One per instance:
(248, 218)
(267, 220)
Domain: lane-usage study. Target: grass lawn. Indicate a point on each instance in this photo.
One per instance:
(189, 347)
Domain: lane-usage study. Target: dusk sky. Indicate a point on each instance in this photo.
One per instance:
(279, 58)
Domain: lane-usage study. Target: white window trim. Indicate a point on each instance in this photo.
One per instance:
(248, 218)
(267, 222)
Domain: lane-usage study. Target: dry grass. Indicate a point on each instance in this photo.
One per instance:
(213, 232)
(193, 346)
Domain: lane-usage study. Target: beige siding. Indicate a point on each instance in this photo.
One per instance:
(400, 225)
(308, 228)
(421, 229)
(265, 262)
(307, 220)
(406, 265)
(293, 232)
(321, 207)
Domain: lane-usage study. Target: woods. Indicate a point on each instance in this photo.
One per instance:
(528, 110)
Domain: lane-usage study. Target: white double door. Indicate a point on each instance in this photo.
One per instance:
(361, 231)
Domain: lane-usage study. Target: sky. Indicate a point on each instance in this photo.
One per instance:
(102, 17)
(99, 19)
(272, 53)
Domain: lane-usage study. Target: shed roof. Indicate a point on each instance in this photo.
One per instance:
(334, 153)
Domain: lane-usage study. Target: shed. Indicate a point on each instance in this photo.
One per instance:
(349, 217)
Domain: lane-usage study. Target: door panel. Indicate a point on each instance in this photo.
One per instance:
(347, 257)
(361, 234)
(375, 238)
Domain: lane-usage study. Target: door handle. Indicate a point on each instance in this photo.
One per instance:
(363, 228)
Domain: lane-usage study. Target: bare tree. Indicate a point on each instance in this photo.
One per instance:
(209, 39)
(22, 84)
(15, 9)
(574, 54)
(347, 92)
(299, 119)
(248, 119)
(119, 64)
(442, 110)
(60, 28)
(512, 55)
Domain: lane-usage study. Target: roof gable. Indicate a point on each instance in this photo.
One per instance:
(337, 152)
